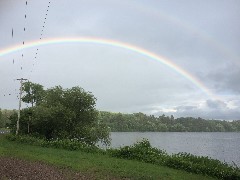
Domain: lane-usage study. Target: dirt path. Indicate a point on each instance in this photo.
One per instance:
(13, 168)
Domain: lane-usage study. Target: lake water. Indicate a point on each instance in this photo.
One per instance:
(217, 145)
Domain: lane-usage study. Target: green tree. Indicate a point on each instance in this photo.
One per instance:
(177, 128)
(13, 121)
(33, 93)
(220, 127)
(63, 113)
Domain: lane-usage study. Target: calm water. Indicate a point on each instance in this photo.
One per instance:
(222, 146)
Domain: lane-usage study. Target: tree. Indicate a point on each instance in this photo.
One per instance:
(33, 93)
(62, 113)
(13, 120)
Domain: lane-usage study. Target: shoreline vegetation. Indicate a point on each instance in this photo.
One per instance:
(143, 152)
(140, 122)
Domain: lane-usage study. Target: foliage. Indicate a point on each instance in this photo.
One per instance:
(13, 122)
(61, 114)
(4, 117)
(33, 93)
(142, 122)
(203, 165)
(69, 144)
(143, 151)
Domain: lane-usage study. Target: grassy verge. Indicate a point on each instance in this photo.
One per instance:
(102, 166)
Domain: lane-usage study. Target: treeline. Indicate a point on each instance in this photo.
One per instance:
(4, 117)
(119, 122)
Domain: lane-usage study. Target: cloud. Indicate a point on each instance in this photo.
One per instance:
(216, 104)
(226, 79)
(209, 109)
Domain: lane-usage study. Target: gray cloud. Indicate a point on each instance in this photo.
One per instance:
(226, 79)
(216, 104)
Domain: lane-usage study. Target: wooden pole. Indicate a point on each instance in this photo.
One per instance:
(20, 100)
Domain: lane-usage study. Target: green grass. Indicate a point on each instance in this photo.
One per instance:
(102, 166)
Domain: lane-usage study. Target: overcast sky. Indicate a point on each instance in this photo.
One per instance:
(200, 36)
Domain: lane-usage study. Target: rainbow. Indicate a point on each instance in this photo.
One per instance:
(113, 43)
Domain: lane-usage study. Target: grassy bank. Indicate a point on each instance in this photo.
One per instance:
(102, 166)
(143, 151)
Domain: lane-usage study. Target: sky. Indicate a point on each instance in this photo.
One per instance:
(172, 57)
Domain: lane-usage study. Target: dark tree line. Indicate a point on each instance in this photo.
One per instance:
(141, 122)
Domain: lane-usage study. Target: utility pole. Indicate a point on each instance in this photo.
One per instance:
(20, 100)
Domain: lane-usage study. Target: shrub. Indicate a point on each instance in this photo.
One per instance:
(143, 151)
(69, 144)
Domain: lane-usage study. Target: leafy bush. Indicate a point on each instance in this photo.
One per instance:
(143, 151)
(204, 165)
(69, 144)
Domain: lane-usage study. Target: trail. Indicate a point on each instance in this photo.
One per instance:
(13, 168)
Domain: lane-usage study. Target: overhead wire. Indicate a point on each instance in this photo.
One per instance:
(22, 54)
(41, 35)
(24, 33)
(23, 42)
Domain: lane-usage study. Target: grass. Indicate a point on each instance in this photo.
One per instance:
(101, 166)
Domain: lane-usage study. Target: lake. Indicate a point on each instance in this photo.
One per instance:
(224, 146)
